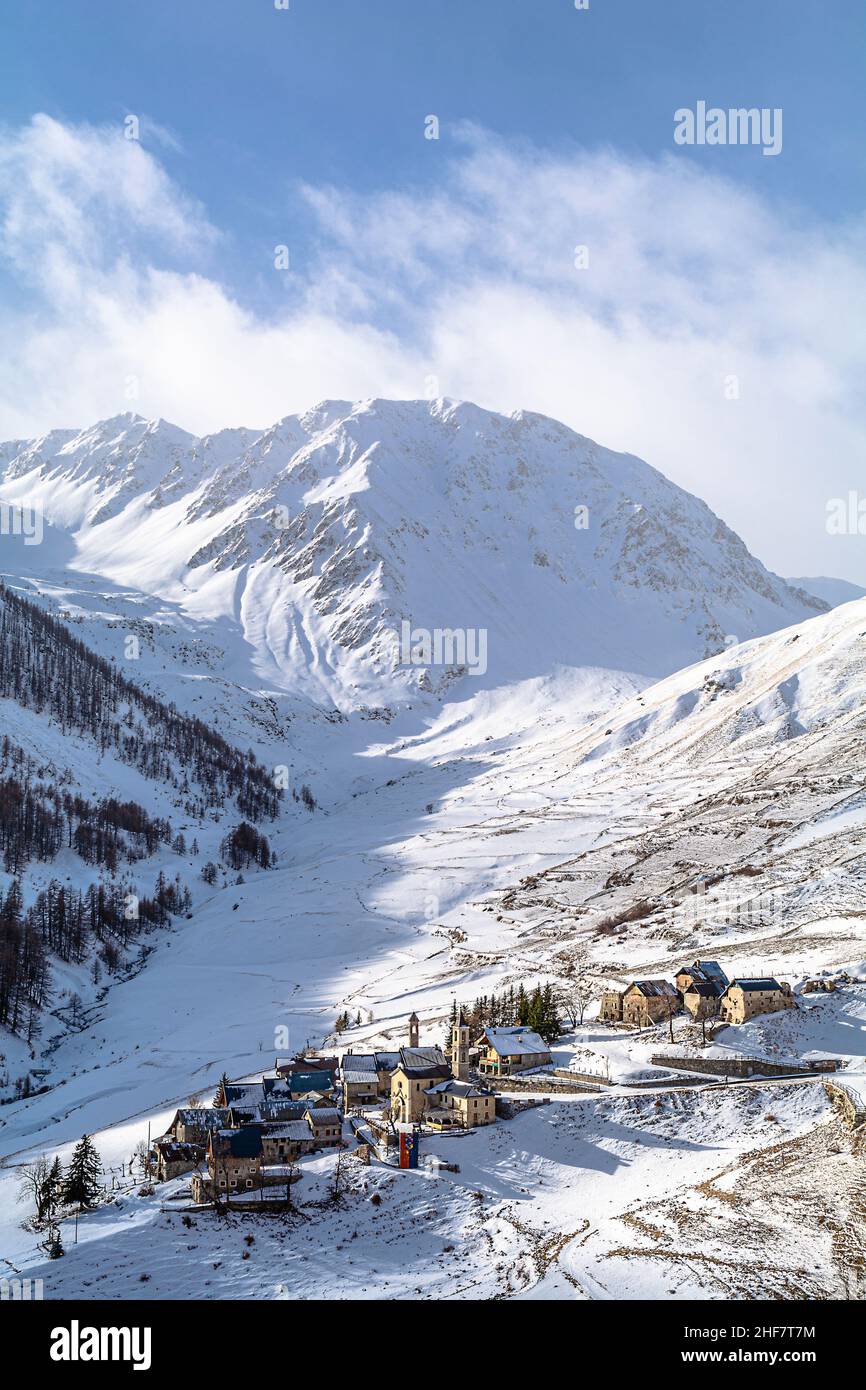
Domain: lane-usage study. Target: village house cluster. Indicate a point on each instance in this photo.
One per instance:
(255, 1131)
(703, 990)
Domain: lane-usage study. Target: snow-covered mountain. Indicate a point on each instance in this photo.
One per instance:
(563, 812)
(318, 539)
(832, 591)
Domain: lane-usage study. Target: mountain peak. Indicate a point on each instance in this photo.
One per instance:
(343, 524)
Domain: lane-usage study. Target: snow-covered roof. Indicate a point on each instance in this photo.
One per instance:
(662, 989)
(290, 1129)
(359, 1078)
(324, 1115)
(358, 1061)
(387, 1061)
(204, 1117)
(516, 1042)
(424, 1061)
(456, 1088)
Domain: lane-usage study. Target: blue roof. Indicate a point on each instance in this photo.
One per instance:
(242, 1143)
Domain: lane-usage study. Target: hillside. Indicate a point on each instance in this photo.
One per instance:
(315, 541)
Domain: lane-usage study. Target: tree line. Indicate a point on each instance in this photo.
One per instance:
(45, 668)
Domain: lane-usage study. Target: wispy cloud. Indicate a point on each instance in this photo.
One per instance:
(703, 327)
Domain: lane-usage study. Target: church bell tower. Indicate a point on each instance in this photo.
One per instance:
(460, 1049)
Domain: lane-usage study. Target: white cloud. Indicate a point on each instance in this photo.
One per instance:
(691, 280)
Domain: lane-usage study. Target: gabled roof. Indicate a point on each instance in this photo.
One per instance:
(244, 1092)
(709, 972)
(424, 1062)
(205, 1117)
(766, 983)
(660, 989)
(516, 1042)
(457, 1088)
(240, 1143)
(174, 1152)
(360, 1078)
(323, 1116)
(295, 1130)
(281, 1108)
(703, 989)
(358, 1061)
(387, 1061)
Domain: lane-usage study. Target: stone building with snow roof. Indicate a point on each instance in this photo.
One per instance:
(457, 1104)
(193, 1124)
(418, 1069)
(701, 1000)
(707, 972)
(359, 1079)
(171, 1159)
(508, 1051)
(326, 1125)
(745, 999)
(645, 1002)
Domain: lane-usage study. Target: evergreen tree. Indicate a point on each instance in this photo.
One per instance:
(219, 1099)
(54, 1245)
(82, 1182)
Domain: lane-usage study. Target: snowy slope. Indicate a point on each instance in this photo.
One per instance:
(832, 591)
(316, 539)
(557, 814)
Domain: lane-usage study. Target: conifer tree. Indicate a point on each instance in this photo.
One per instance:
(82, 1182)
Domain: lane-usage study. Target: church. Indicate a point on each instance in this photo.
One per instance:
(426, 1090)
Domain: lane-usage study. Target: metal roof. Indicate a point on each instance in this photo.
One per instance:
(360, 1078)
(296, 1130)
(516, 1042)
(358, 1061)
(767, 983)
(424, 1062)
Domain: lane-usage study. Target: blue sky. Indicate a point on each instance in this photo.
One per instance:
(713, 330)
(336, 90)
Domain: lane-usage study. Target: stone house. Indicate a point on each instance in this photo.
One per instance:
(745, 999)
(610, 1009)
(173, 1158)
(194, 1124)
(325, 1125)
(701, 1000)
(285, 1141)
(359, 1079)
(705, 972)
(418, 1069)
(649, 1001)
(234, 1158)
(458, 1105)
(509, 1051)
